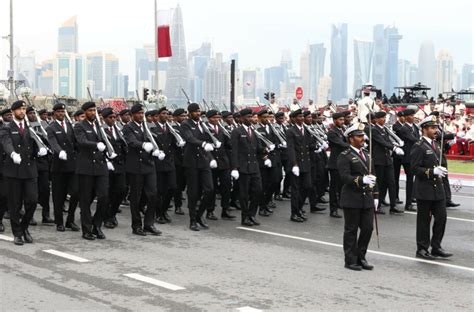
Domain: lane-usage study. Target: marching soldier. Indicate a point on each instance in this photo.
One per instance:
(359, 198)
(428, 189)
(63, 179)
(3, 191)
(20, 172)
(323, 174)
(179, 115)
(124, 118)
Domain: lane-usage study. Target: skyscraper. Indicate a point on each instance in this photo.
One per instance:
(216, 83)
(392, 37)
(427, 66)
(444, 72)
(363, 52)
(67, 36)
(467, 76)
(317, 55)
(70, 75)
(95, 66)
(111, 75)
(177, 74)
(339, 61)
(378, 67)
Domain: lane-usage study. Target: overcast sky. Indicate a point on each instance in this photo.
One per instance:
(257, 30)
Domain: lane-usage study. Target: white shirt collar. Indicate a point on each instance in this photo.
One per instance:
(18, 122)
(428, 139)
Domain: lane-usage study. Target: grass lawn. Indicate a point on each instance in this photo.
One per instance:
(459, 166)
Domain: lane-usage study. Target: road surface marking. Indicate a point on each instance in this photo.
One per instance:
(369, 251)
(153, 281)
(248, 309)
(6, 238)
(65, 255)
(449, 218)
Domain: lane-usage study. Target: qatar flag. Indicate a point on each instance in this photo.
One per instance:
(163, 33)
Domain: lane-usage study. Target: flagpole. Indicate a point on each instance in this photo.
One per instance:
(156, 48)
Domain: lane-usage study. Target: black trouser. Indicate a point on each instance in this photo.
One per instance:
(250, 187)
(447, 188)
(200, 187)
(300, 187)
(21, 192)
(142, 183)
(335, 188)
(323, 177)
(43, 193)
(180, 186)
(89, 188)
(354, 219)
(426, 209)
(117, 193)
(314, 190)
(397, 166)
(288, 176)
(3, 197)
(222, 178)
(166, 184)
(268, 176)
(63, 183)
(386, 181)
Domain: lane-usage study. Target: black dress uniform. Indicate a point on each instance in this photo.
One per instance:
(93, 177)
(63, 178)
(3, 188)
(178, 152)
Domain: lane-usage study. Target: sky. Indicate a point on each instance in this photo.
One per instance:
(259, 30)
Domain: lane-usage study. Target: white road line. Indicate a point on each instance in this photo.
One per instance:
(6, 238)
(370, 251)
(153, 281)
(248, 309)
(449, 218)
(65, 255)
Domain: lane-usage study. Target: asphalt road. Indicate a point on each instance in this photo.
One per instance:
(278, 266)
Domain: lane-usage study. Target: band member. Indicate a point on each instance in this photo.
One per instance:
(245, 168)
(63, 145)
(197, 161)
(428, 189)
(382, 151)
(91, 168)
(337, 143)
(179, 115)
(141, 173)
(20, 172)
(220, 174)
(358, 199)
(365, 105)
(116, 166)
(300, 145)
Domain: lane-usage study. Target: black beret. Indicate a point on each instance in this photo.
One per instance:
(152, 112)
(370, 116)
(87, 105)
(380, 114)
(161, 109)
(435, 113)
(279, 114)
(236, 115)
(193, 107)
(136, 108)
(346, 113)
(400, 114)
(306, 113)
(337, 115)
(5, 111)
(179, 111)
(56, 107)
(124, 111)
(270, 112)
(246, 111)
(78, 112)
(408, 112)
(30, 109)
(43, 111)
(106, 112)
(262, 112)
(18, 104)
(212, 112)
(226, 114)
(296, 113)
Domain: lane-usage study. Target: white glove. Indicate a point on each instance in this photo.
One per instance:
(147, 147)
(440, 171)
(213, 164)
(399, 151)
(365, 145)
(158, 153)
(110, 166)
(101, 146)
(181, 143)
(271, 147)
(283, 145)
(62, 155)
(401, 143)
(218, 144)
(208, 147)
(319, 150)
(369, 179)
(113, 156)
(267, 163)
(324, 146)
(296, 171)
(16, 158)
(235, 174)
(376, 204)
(42, 152)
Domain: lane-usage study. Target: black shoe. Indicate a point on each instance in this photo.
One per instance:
(152, 230)
(109, 224)
(226, 216)
(271, 205)
(120, 210)
(278, 198)
(410, 208)
(380, 211)
(286, 195)
(72, 226)
(115, 221)
(27, 237)
(60, 228)
(179, 211)
(202, 223)
(161, 220)
(440, 253)
(384, 203)
(334, 214)
(424, 254)
(194, 227)
(316, 209)
(413, 200)
(246, 221)
(451, 204)
(395, 211)
(235, 205)
(254, 221)
(2, 227)
(18, 240)
(269, 210)
(365, 265)
(33, 222)
(167, 217)
(211, 216)
(88, 236)
(98, 233)
(296, 218)
(322, 200)
(47, 221)
(303, 216)
(354, 267)
(264, 213)
(398, 201)
(139, 232)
